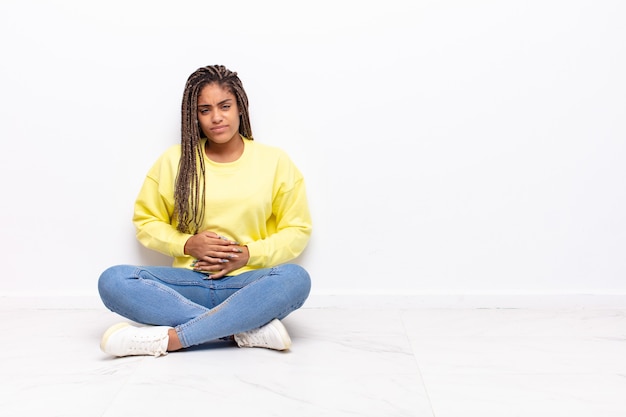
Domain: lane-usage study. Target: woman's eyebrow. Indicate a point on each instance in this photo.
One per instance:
(220, 103)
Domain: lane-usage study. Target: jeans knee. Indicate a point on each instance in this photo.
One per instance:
(299, 281)
(109, 282)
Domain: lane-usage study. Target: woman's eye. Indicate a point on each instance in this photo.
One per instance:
(226, 106)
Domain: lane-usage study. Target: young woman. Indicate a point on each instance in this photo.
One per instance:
(232, 213)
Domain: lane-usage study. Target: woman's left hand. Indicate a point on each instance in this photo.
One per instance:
(220, 267)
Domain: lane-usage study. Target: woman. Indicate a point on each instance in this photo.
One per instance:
(231, 212)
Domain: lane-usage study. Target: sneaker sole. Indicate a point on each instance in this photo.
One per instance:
(109, 332)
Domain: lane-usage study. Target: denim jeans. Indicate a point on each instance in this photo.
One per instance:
(201, 309)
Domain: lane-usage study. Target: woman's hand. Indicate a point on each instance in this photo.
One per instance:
(215, 255)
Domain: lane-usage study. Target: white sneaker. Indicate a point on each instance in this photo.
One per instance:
(123, 339)
(271, 336)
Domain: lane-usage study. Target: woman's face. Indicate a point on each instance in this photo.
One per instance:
(218, 113)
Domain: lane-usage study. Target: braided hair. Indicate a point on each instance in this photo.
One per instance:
(190, 189)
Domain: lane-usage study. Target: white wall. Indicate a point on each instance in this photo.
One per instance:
(469, 147)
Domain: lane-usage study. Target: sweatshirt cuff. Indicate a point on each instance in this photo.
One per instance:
(177, 244)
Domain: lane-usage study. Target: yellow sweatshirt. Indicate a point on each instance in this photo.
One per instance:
(259, 201)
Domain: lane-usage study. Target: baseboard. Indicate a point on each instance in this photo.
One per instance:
(363, 300)
(469, 300)
(58, 300)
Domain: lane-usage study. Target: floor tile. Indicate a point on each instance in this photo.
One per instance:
(521, 362)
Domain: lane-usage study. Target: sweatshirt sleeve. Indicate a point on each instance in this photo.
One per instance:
(154, 208)
(291, 221)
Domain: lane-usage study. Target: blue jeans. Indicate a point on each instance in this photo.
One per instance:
(200, 309)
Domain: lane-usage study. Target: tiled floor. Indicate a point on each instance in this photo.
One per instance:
(344, 362)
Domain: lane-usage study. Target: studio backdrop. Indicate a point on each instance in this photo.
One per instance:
(463, 148)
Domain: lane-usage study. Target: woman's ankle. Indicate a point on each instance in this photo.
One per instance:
(173, 343)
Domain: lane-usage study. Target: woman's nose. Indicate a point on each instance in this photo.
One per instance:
(217, 117)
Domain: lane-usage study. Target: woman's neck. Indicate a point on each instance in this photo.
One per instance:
(224, 152)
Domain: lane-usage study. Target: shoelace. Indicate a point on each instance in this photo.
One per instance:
(262, 337)
(148, 345)
(254, 337)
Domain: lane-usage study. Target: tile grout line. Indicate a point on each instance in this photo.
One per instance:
(140, 361)
(421, 375)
